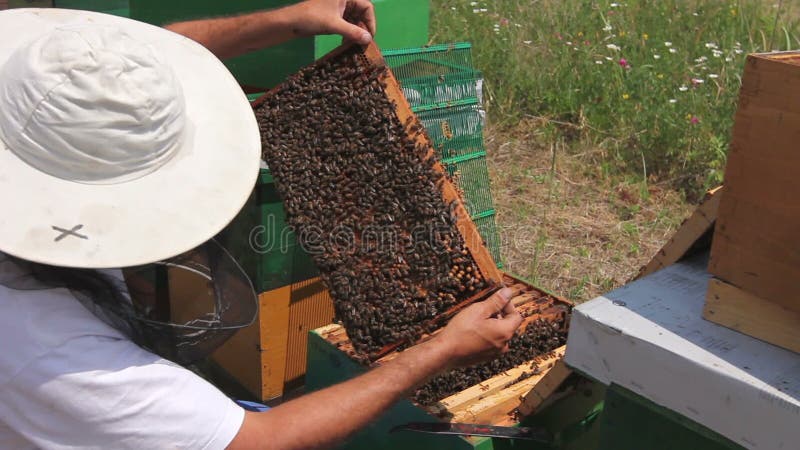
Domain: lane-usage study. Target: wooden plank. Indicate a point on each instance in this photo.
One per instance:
(494, 408)
(310, 306)
(256, 356)
(240, 358)
(331, 331)
(756, 243)
(757, 254)
(792, 57)
(544, 389)
(742, 311)
(462, 400)
(273, 339)
(690, 231)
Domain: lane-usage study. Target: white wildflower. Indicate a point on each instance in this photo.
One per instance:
(527, 42)
(608, 58)
(656, 56)
(713, 76)
(598, 62)
(683, 88)
(698, 80)
(668, 44)
(608, 27)
(728, 59)
(672, 50)
(614, 5)
(673, 101)
(614, 47)
(473, 3)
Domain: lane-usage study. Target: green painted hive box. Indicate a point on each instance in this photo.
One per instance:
(116, 7)
(262, 242)
(401, 23)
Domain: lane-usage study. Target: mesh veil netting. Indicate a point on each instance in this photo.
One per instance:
(182, 308)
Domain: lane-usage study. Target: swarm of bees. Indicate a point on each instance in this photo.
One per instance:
(538, 338)
(365, 200)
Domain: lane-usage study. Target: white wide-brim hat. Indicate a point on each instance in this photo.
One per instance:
(121, 143)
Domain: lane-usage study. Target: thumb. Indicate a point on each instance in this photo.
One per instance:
(495, 304)
(350, 32)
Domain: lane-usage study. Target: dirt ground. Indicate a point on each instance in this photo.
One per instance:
(564, 224)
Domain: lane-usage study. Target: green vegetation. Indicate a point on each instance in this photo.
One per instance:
(651, 84)
(604, 118)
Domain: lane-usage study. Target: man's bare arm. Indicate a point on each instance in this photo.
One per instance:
(232, 36)
(327, 417)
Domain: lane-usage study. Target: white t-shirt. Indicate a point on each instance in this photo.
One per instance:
(68, 381)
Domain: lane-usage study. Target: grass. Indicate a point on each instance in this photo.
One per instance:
(565, 227)
(606, 121)
(651, 83)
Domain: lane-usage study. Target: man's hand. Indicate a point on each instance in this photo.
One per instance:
(338, 17)
(228, 37)
(481, 330)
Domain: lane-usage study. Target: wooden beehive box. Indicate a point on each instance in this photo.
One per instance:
(493, 401)
(755, 255)
(269, 357)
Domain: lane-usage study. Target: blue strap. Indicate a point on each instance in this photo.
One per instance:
(252, 406)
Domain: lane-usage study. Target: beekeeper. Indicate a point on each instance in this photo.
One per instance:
(127, 145)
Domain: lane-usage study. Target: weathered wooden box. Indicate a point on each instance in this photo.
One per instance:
(755, 256)
(494, 401)
(269, 357)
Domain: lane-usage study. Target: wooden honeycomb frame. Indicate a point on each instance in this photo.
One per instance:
(464, 224)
